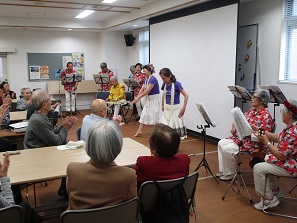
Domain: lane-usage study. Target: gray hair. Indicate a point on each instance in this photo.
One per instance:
(23, 89)
(132, 68)
(103, 65)
(286, 110)
(38, 97)
(104, 141)
(263, 96)
(113, 78)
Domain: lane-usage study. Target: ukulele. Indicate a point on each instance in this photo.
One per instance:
(258, 154)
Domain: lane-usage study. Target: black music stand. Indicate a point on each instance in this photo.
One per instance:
(243, 129)
(276, 96)
(240, 93)
(131, 84)
(73, 78)
(101, 79)
(206, 118)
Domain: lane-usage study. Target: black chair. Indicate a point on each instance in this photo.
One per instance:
(78, 131)
(11, 214)
(124, 212)
(102, 95)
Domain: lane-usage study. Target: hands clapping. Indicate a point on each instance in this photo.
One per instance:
(69, 122)
(5, 165)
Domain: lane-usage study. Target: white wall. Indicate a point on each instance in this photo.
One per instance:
(97, 47)
(268, 14)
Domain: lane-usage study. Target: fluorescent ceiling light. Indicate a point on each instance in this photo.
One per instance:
(134, 25)
(84, 14)
(108, 1)
(69, 29)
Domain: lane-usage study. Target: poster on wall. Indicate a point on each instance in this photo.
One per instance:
(66, 59)
(44, 72)
(35, 72)
(78, 62)
(57, 73)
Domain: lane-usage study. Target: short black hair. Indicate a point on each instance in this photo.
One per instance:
(2, 84)
(164, 140)
(139, 65)
(69, 63)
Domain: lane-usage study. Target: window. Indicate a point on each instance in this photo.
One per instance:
(144, 46)
(3, 67)
(288, 58)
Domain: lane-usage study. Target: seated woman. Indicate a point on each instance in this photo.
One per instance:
(282, 160)
(6, 90)
(22, 104)
(228, 148)
(100, 181)
(164, 163)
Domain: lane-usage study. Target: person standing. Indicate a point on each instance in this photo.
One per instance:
(150, 91)
(105, 70)
(140, 78)
(172, 111)
(69, 89)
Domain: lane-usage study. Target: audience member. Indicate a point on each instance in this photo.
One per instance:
(117, 93)
(228, 148)
(5, 117)
(164, 163)
(105, 70)
(173, 112)
(22, 103)
(40, 133)
(100, 182)
(6, 90)
(5, 145)
(282, 159)
(6, 196)
(150, 91)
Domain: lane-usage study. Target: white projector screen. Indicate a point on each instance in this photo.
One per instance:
(200, 50)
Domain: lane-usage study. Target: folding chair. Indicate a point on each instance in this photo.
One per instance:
(126, 107)
(292, 198)
(124, 212)
(148, 192)
(11, 214)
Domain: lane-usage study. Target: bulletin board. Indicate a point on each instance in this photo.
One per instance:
(48, 66)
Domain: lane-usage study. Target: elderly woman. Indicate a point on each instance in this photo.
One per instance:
(164, 163)
(150, 91)
(22, 103)
(6, 90)
(228, 148)
(282, 160)
(172, 110)
(100, 182)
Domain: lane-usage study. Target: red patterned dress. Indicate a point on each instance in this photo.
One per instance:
(139, 77)
(106, 87)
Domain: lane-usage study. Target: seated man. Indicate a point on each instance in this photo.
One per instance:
(117, 93)
(98, 113)
(40, 133)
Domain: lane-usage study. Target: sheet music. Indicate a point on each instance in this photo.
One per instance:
(276, 95)
(101, 78)
(243, 128)
(131, 82)
(204, 114)
(240, 92)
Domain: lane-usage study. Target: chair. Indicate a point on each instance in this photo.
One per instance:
(124, 212)
(78, 130)
(292, 198)
(102, 95)
(148, 192)
(126, 106)
(11, 214)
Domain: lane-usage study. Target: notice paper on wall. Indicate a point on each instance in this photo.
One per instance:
(35, 72)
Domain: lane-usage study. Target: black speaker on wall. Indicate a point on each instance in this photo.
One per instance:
(129, 39)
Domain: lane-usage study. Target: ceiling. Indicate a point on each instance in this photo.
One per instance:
(59, 14)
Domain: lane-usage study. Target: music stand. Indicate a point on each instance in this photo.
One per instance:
(206, 118)
(73, 78)
(276, 96)
(131, 83)
(240, 93)
(243, 129)
(101, 79)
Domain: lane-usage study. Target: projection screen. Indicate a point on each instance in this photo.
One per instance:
(200, 50)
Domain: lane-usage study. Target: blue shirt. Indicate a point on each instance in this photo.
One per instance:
(155, 89)
(87, 123)
(177, 89)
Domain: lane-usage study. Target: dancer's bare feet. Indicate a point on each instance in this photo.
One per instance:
(138, 133)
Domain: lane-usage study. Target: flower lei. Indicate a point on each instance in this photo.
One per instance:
(290, 106)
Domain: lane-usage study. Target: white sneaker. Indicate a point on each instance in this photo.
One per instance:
(219, 174)
(267, 203)
(279, 193)
(227, 177)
